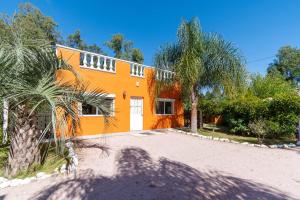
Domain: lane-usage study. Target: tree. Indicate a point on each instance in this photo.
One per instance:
(36, 24)
(28, 80)
(199, 61)
(116, 44)
(287, 62)
(137, 56)
(127, 50)
(270, 85)
(75, 41)
(124, 49)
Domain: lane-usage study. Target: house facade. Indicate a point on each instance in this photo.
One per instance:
(130, 89)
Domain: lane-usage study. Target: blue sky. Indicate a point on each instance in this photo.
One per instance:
(257, 27)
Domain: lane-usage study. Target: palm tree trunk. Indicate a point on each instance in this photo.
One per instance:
(5, 121)
(24, 148)
(194, 100)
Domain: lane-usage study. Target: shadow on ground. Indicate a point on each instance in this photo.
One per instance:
(140, 177)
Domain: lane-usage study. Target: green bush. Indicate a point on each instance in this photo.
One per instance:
(238, 127)
(212, 107)
(280, 113)
(238, 113)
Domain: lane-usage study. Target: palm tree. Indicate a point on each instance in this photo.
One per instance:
(200, 61)
(28, 81)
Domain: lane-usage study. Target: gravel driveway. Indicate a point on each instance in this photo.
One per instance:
(170, 166)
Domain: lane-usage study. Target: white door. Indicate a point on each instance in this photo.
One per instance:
(136, 114)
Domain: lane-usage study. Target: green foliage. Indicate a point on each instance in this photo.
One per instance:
(137, 56)
(211, 107)
(270, 85)
(287, 62)
(199, 61)
(52, 162)
(116, 44)
(124, 49)
(284, 110)
(238, 127)
(280, 113)
(28, 68)
(35, 24)
(74, 40)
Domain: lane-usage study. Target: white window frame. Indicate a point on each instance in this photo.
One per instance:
(165, 100)
(109, 96)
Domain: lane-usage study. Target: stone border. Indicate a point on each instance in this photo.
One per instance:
(71, 167)
(280, 146)
(4, 182)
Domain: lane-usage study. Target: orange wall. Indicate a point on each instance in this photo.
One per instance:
(118, 83)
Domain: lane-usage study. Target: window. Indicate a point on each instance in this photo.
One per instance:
(164, 107)
(86, 109)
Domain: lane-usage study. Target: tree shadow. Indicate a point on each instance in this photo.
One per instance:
(85, 144)
(140, 177)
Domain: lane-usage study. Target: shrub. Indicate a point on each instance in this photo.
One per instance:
(283, 115)
(238, 113)
(212, 107)
(280, 114)
(238, 127)
(260, 129)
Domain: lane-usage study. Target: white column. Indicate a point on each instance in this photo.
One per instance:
(84, 60)
(104, 64)
(111, 65)
(98, 62)
(133, 69)
(92, 61)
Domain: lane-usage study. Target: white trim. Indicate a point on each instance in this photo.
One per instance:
(137, 76)
(112, 72)
(106, 95)
(165, 99)
(111, 96)
(97, 54)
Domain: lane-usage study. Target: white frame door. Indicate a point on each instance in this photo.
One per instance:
(136, 113)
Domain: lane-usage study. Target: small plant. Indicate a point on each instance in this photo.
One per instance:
(238, 127)
(259, 129)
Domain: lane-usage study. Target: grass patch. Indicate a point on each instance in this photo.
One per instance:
(52, 162)
(3, 158)
(222, 132)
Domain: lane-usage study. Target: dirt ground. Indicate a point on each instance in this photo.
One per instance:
(170, 166)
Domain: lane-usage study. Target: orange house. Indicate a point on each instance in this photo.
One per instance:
(130, 89)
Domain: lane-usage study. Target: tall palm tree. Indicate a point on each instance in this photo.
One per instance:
(200, 61)
(28, 81)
